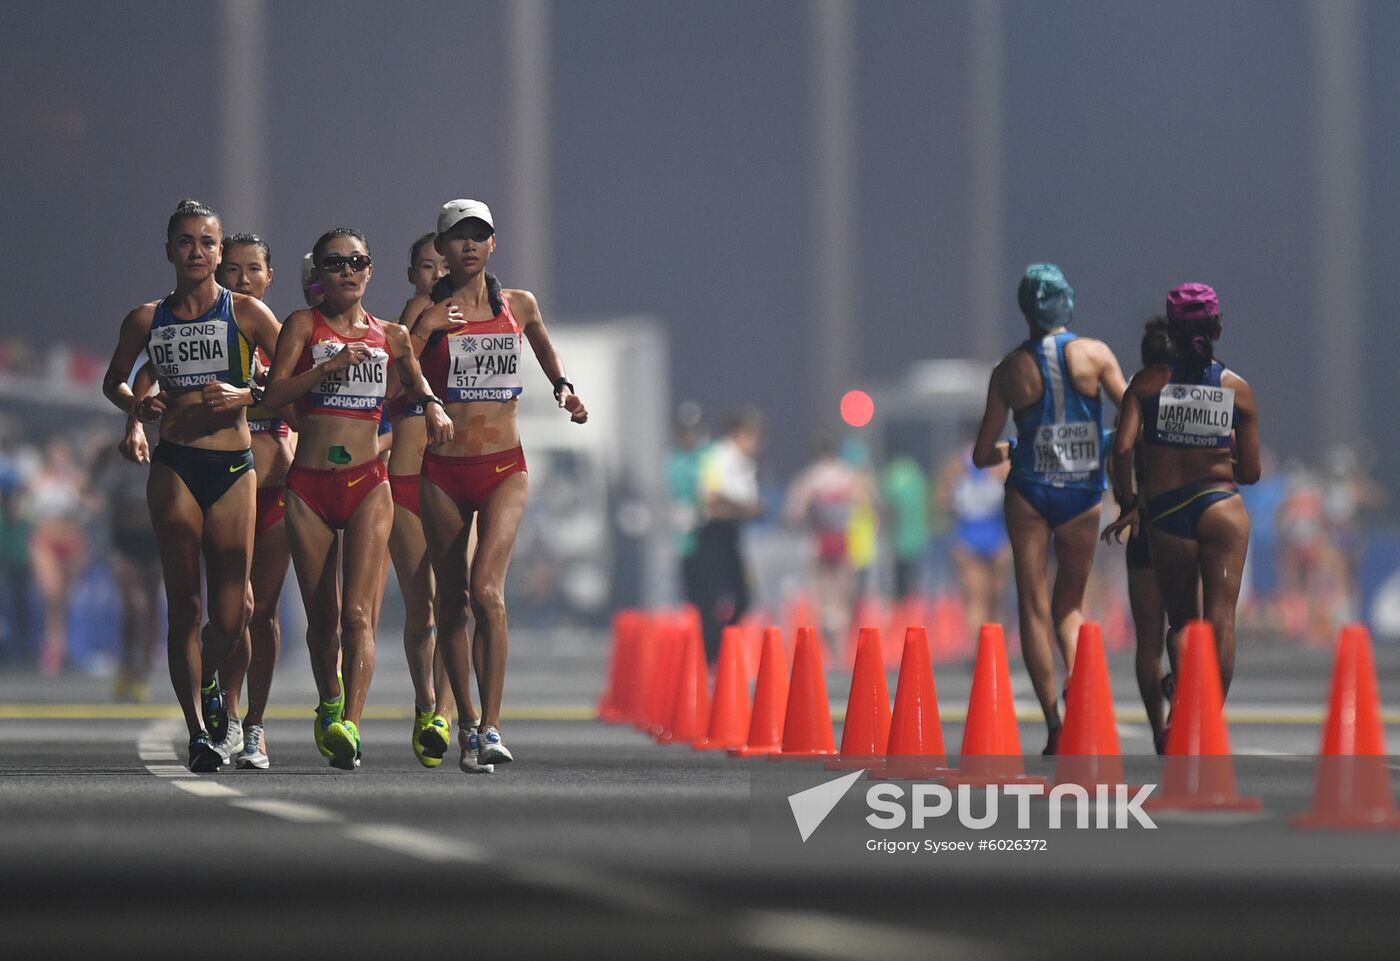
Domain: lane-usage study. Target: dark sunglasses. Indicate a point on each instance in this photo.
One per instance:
(477, 233)
(336, 265)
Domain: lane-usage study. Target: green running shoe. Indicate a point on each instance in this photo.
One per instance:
(342, 739)
(432, 736)
(327, 713)
(211, 702)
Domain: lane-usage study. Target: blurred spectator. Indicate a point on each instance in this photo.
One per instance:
(862, 534)
(16, 632)
(729, 496)
(1348, 493)
(822, 500)
(54, 505)
(1312, 571)
(981, 550)
(683, 486)
(904, 490)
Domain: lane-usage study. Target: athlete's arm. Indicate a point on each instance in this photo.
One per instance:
(416, 307)
(986, 452)
(136, 328)
(1111, 375)
(431, 318)
(1246, 440)
(284, 387)
(415, 385)
(527, 314)
(1129, 426)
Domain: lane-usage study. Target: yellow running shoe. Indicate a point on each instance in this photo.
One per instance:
(432, 736)
(327, 713)
(342, 739)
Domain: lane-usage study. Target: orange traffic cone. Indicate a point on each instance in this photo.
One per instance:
(638, 677)
(867, 728)
(670, 635)
(729, 709)
(915, 748)
(769, 699)
(692, 701)
(807, 730)
(1089, 753)
(625, 625)
(991, 744)
(1353, 789)
(1198, 773)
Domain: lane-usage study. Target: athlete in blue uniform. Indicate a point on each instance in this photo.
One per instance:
(202, 485)
(1199, 427)
(1051, 383)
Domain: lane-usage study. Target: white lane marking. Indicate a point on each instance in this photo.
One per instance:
(1277, 755)
(1135, 730)
(287, 810)
(201, 788)
(807, 934)
(598, 887)
(418, 844)
(1209, 818)
(170, 770)
(164, 754)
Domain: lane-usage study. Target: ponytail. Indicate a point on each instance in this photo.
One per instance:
(1193, 341)
(187, 207)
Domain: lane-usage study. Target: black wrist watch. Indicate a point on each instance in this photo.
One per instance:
(257, 393)
(434, 399)
(560, 384)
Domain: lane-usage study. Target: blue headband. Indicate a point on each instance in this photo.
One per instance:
(1046, 298)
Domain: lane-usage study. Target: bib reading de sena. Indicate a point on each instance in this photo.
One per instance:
(1067, 448)
(190, 353)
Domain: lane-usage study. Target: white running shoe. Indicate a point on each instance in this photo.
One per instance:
(252, 756)
(232, 744)
(490, 748)
(470, 739)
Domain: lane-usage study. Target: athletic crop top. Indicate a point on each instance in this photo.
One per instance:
(475, 360)
(358, 390)
(1059, 440)
(188, 354)
(264, 420)
(1190, 414)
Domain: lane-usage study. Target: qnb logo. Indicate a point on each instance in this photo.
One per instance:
(469, 345)
(1178, 393)
(920, 806)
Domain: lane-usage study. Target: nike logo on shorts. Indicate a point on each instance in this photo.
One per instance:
(237, 468)
(355, 481)
(501, 470)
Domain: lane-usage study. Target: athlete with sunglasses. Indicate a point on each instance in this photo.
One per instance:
(202, 487)
(474, 335)
(333, 362)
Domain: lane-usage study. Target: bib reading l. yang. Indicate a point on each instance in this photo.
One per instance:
(483, 366)
(1194, 414)
(190, 355)
(357, 387)
(1066, 449)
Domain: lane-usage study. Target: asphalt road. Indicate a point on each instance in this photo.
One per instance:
(599, 843)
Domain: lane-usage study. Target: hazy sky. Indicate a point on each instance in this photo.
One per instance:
(1146, 144)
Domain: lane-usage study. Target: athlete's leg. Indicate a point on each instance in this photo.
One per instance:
(127, 577)
(1175, 565)
(228, 556)
(363, 554)
(497, 524)
(315, 550)
(179, 527)
(1030, 552)
(1149, 622)
(445, 528)
(414, 572)
(1000, 568)
(235, 667)
(51, 575)
(271, 557)
(1075, 542)
(1223, 533)
(971, 582)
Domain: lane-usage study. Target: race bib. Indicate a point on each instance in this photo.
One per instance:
(1195, 415)
(1062, 450)
(190, 355)
(358, 387)
(483, 367)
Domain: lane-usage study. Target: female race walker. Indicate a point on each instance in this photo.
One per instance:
(472, 356)
(1051, 384)
(202, 486)
(1199, 427)
(433, 701)
(333, 361)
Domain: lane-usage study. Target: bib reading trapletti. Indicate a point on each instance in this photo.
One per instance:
(1067, 452)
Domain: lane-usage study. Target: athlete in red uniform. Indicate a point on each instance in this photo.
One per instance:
(333, 362)
(473, 339)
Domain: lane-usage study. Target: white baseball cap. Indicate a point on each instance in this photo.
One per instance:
(455, 211)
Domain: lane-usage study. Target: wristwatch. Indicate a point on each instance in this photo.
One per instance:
(560, 384)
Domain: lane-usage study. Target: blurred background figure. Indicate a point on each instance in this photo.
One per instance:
(691, 439)
(981, 551)
(1312, 572)
(16, 631)
(904, 494)
(1349, 496)
(55, 507)
(729, 496)
(862, 534)
(821, 500)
